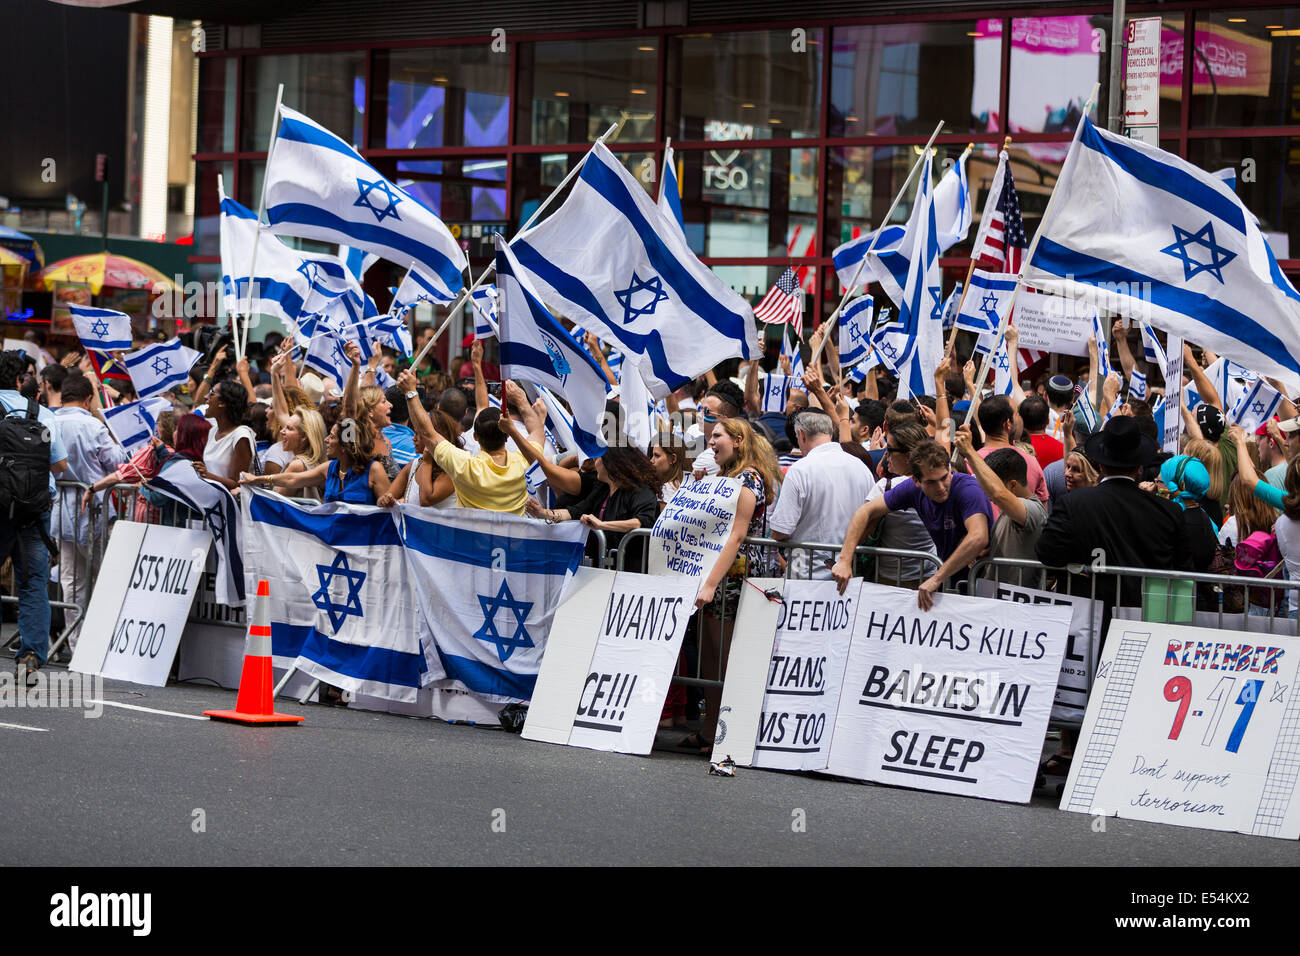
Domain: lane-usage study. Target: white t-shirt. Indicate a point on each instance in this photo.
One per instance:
(219, 452)
(277, 454)
(820, 493)
(1288, 542)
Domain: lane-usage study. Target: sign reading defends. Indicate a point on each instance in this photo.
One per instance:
(693, 528)
(814, 627)
(1192, 726)
(955, 699)
(151, 603)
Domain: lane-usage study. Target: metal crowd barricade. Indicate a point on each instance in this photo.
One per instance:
(711, 675)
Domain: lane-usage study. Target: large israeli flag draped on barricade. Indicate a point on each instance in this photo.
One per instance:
(342, 603)
(912, 345)
(159, 368)
(987, 300)
(610, 261)
(210, 502)
(892, 256)
(102, 329)
(855, 330)
(536, 348)
(319, 187)
(1177, 243)
(488, 585)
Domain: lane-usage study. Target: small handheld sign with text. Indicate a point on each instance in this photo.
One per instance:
(693, 528)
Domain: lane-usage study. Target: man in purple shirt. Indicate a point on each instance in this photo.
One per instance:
(953, 508)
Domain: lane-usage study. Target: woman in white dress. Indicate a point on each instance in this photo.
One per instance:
(231, 443)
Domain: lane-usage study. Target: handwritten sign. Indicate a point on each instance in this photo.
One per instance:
(955, 699)
(693, 528)
(1053, 323)
(1192, 726)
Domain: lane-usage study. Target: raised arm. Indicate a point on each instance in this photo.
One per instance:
(1204, 387)
(1120, 333)
(991, 483)
(351, 389)
(752, 404)
(481, 398)
(593, 346)
(1013, 356)
(421, 424)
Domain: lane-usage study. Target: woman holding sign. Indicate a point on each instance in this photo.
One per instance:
(743, 454)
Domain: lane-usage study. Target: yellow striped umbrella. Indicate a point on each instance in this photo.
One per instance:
(106, 270)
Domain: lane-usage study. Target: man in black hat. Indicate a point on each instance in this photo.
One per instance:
(1116, 522)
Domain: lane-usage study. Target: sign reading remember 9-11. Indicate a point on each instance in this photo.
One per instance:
(1192, 726)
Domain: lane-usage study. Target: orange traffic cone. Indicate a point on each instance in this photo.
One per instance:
(254, 704)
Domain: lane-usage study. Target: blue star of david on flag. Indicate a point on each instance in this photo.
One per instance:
(100, 328)
(937, 311)
(1004, 362)
(162, 365)
(389, 208)
(989, 306)
(309, 270)
(1219, 257)
(351, 605)
(215, 519)
(889, 350)
(1258, 408)
(488, 632)
(631, 310)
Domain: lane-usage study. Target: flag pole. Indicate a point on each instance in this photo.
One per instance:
(491, 267)
(1020, 279)
(970, 270)
(830, 323)
(241, 344)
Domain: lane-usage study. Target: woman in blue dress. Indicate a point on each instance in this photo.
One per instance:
(350, 472)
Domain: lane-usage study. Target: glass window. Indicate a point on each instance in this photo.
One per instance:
(536, 175)
(469, 195)
(328, 87)
(216, 123)
(1054, 63)
(756, 85)
(750, 202)
(1268, 182)
(899, 80)
(207, 212)
(571, 91)
(441, 96)
(250, 183)
(1244, 67)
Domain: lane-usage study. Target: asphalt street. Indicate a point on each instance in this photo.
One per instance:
(140, 788)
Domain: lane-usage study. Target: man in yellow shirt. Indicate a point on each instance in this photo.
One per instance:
(492, 479)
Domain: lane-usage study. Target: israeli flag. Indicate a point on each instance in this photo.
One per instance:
(319, 187)
(1230, 380)
(1003, 384)
(1191, 397)
(535, 347)
(1152, 349)
(559, 422)
(134, 423)
(484, 302)
(388, 331)
(214, 506)
(790, 347)
(776, 390)
(610, 261)
(1158, 409)
(892, 256)
(325, 355)
(1177, 243)
(637, 418)
(1085, 414)
(855, 330)
(912, 345)
(101, 329)
(160, 367)
(1229, 176)
(488, 585)
(288, 283)
(1257, 405)
(670, 193)
(358, 261)
(951, 307)
(987, 301)
(1137, 386)
(1103, 347)
(417, 287)
(341, 602)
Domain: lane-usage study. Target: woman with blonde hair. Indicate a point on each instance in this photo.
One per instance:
(743, 454)
(1246, 513)
(1207, 452)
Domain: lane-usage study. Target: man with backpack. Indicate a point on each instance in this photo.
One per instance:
(31, 454)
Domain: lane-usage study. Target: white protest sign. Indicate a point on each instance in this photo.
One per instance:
(614, 695)
(802, 691)
(1072, 691)
(153, 602)
(693, 528)
(955, 699)
(1173, 423)
(744, 684)
(1053, 323)
(1192, 726)
(1142, 81)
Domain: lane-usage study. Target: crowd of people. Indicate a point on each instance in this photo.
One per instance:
(947, 479)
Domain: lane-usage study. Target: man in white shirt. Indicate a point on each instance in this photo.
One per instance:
(820, 493)
(93, 452)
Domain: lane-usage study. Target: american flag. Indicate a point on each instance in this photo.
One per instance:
(1001, 243)
(783, 303)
